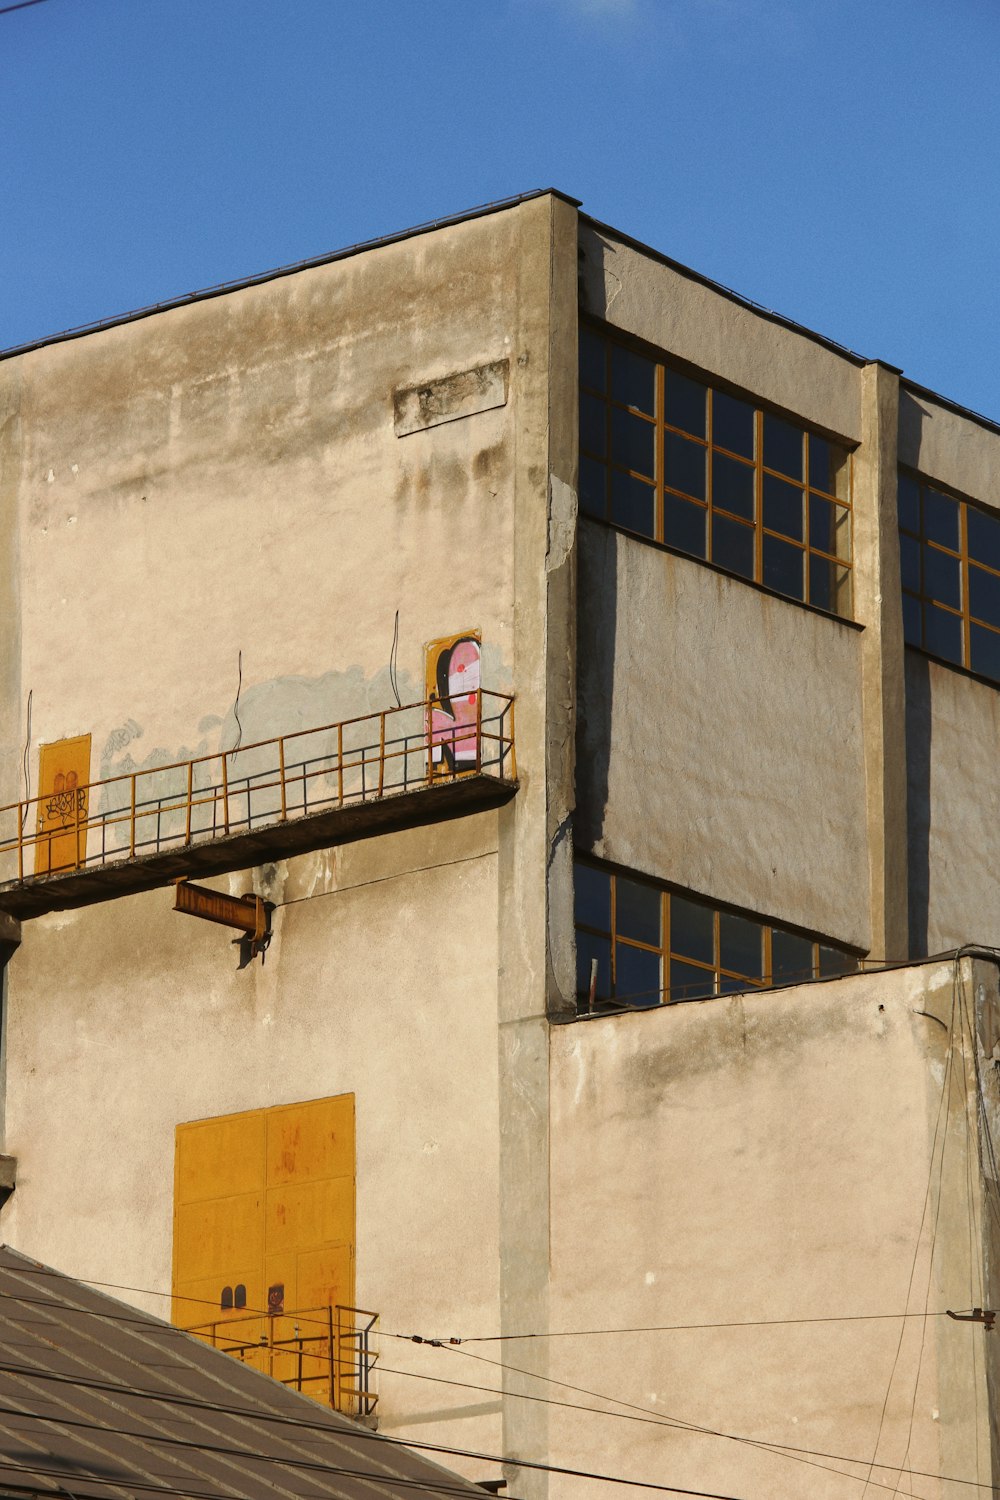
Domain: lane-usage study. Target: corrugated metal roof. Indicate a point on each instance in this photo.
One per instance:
(99, 1399)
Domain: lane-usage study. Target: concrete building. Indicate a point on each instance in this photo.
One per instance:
(592, 679)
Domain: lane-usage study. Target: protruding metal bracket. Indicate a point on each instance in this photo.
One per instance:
(983, 1315)
(249, 912)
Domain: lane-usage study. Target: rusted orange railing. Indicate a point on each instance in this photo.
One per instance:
(329, 1353)
(378, 755)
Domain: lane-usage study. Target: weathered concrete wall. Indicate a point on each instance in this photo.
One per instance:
(944, 445)
(952, 721)
(381, 981)
(278, 471)
(720, 738)
(227, 477)
(953, 729)
(755, 1160)
(642, 296)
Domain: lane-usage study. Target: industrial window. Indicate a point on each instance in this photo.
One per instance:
(949, 553)
(641, 944)
(712, 474)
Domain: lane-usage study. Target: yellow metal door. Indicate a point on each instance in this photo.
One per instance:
(264, 1203)
(61, 826)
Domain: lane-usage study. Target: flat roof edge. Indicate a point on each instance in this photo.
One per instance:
(184, 299)
(990, 423)
(727, 292)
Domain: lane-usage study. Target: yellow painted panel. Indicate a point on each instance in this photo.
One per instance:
(300, 1215)
(307, 1141)
(211, 1238)
(220, 1158)
(198, 1302)
(291, 1242)
(63, 800)
(325, 1275)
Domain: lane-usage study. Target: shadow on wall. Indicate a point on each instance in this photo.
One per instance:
(597, 595)
(912, 417)
(918, 798)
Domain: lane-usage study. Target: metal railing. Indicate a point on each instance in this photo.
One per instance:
(253, 786)
(328, 1352)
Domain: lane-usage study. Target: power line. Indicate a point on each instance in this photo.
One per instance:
(944, 1099)
(363, 1434)
(579, 1333)
(336, 1469)
(21, 5)
(566, 1333)
(780, 1450)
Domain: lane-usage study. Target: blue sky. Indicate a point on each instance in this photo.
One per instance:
(836, 160)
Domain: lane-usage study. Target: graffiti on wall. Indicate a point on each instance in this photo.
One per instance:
(452, 684)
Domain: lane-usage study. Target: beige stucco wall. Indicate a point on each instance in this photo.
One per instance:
(952, 720)
(765, 1158)
(720, 335)
(381, 981)
(227, 477)
(953, 729)
(720, 737)
(944, 445)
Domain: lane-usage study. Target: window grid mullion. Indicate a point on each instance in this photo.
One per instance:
(963, 541)
(660, 401)
(709, 487)
(758, 488)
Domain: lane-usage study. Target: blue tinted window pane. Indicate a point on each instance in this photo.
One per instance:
(782, 567)
(733, 486)
(593, 425)
(943, 633)
(984, 596)
(829, 527)
(984, 537)
(684, 525)
(637, 911)
(632, 441)
(730, 986)
(633, 503)
(941, 519)
(633, 379)
(692, 930)
(741, 945)
(732, 424)
(593, 370)
(592, 892)
(828, 466)
(912, 621)
(782, 447)
(591, 949)
(791, 956)
(984, 648)
(833, 962)
(942, 578)
(637, 976)
(783, 507)
(688, 982)
(684, 403)
(593, 487)
(908, 503)
(909, 562)
(684, 465)
(822, 582)
(732, 545)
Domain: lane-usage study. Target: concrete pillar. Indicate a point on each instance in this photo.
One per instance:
(878, 607)
(544, 671)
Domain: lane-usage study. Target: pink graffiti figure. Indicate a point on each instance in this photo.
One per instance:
(454, 732)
